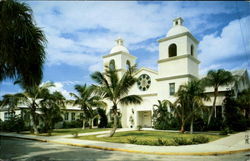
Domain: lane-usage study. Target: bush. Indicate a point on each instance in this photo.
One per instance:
(103, 118)
(182, 141)
(139, 127)
(200, 139)
(132, 140)
(161, 141)
(226, 131)
(14, 124)
(73, 124)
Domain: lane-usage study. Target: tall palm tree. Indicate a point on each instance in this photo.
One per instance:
(22, 44)
(51, 106)
(190, 97)
(216, 78)
(87, 99)
(116, 89)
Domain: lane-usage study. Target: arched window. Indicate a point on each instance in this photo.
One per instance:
(128, 65)
(112, 64)
(192, 50)
(172, 50)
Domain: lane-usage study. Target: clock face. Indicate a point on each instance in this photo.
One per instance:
(144, 82)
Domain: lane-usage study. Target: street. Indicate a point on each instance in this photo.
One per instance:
(19, 149)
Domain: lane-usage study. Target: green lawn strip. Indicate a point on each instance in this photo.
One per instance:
(59, 132)
(122, 137)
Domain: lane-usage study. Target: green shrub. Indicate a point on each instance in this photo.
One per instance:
(139, 127)
(200, 139)
(103, 118)
(226, 131)
(132, 140)
(161, 141)
(182, 141)
(14, 124)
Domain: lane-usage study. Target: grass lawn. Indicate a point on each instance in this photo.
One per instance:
(58, 132)
(146, 136)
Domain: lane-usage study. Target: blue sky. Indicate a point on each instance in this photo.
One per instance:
(79, 33)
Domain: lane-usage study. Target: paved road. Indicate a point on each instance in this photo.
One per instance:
(19, 149)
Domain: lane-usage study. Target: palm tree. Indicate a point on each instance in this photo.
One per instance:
(216, 78)
(51, 106)
(190, 97)
(11, 101)
(32, 97)
(22, 44)
(87, 99)
(163, 114)
(116, 89)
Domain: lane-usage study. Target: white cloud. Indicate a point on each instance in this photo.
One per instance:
(60, 88)
(95, 25)
(232, 43)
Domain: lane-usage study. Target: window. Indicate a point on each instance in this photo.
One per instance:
(112, 64)
(8, 115)
(66, 116)
(172, 50)
(73, 116)
(81, 115)
(192, 50)
(171, 88)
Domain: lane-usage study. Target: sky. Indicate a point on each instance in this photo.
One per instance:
(79, 33)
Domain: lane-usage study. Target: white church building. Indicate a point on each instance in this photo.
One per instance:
(177, 64)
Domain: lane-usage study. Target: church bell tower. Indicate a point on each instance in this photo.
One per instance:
(178, 61)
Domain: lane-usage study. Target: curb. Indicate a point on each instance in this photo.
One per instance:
(134, 151)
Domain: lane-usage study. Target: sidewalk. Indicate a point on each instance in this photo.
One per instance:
(231, 144)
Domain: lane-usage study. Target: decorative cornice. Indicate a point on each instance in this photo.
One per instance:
(117, 53)
(179, 57)
(179, 35)
(176, 77)
(146, 95)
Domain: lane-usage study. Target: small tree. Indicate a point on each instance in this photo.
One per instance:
(216, 78)
(51, 107)
(163, 115)
(87, 99)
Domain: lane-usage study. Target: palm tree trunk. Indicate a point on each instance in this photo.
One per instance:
(90, 123)
(213, 108)
(191, 125)
(34, 124)
(112, 132)
(83, 123)
(182, 128)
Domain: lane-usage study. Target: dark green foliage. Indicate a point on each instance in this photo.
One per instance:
(234, 119)
(103, 118)
(22, 44)
(200, 139)
(14, 124)
(163, 118)
(72, 124)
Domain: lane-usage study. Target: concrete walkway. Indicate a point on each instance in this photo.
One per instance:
(231, 144)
